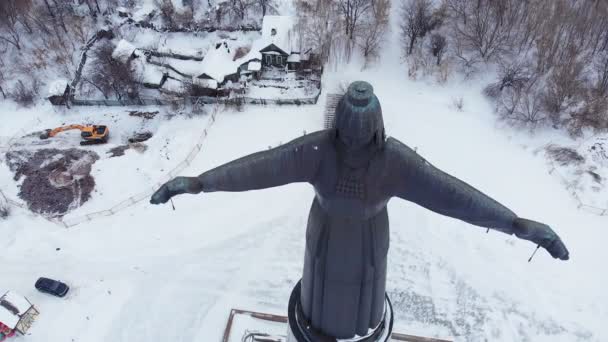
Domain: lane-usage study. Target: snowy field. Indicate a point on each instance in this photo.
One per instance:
(152, 273)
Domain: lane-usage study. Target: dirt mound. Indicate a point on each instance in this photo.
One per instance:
(120, 150)
(56, 181)
(145, 115)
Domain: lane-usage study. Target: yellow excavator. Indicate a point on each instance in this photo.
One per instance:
(91, 134)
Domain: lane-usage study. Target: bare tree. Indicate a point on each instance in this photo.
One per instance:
(113, 76)
(2, 78)
(352, 11)
(438, 46)
(167, 11)
(318, 26)
(267, 6)
(373, 29)
(484, 32)
(458, 8)
(416, 22)
(239, 7)
(11, 19)
(601, 71)
(565, 87)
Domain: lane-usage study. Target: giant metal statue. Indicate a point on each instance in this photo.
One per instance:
(355, 170)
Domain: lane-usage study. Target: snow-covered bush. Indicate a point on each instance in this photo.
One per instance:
(26, 95)
(458, 103)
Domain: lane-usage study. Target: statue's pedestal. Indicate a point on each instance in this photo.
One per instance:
(299, 329)
(250, 326)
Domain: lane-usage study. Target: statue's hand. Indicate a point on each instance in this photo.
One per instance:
(542, 235)
(176, 186)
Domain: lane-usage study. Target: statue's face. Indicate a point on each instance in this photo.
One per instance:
(358, 117)
(354, 140)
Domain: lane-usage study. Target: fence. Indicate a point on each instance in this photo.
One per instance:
(21, 132)
(201, 99)
(12, 203)
(144, 195)
(581, 205)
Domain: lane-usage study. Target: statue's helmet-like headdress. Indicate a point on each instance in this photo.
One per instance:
(358, 119)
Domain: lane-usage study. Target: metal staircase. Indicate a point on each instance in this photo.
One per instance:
(331, 102)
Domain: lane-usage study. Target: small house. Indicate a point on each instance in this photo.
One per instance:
(251, 68)
(218, 66)
(124, 51)
(17, 315)
(279, 44)
(149, 75)
(59, 92)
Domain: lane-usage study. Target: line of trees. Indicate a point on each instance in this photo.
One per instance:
(37, 35)
(213, 13)
(551, 55)
(338, 28)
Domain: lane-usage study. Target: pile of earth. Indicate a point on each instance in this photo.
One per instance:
(55, 181)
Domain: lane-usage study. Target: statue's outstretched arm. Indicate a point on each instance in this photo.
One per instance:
(296, 161)
(420, 182)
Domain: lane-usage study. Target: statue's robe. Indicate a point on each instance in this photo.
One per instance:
(347, 237)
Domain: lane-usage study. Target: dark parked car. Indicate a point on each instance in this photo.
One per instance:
(53, 287)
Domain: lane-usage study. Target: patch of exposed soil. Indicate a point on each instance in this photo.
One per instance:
(120, 150)
(145, 115)
(140, 137)
(55, 181)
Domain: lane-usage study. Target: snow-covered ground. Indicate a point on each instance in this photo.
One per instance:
(185, 43)
(152, 273)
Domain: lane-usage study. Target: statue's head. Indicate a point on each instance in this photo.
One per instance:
(359, 117)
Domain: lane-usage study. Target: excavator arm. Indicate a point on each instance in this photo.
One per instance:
(58, 130)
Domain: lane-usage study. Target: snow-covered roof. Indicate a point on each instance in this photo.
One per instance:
(8, 318)
(148, 73)
(285, 37)
(254, 66)
(173, 85)
(206, 83)
(57, 88)
(278, 30)
(188, 67)
(219, 61)
(16, 301)
(123, 51)
(294, 57)
(144, 11)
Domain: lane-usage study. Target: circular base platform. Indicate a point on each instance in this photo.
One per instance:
(301, 331)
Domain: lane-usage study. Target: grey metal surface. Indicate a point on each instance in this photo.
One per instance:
(355, 171)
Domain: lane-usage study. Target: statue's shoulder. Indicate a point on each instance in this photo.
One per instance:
(395, 148)
(319, 138)
(311, 143)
